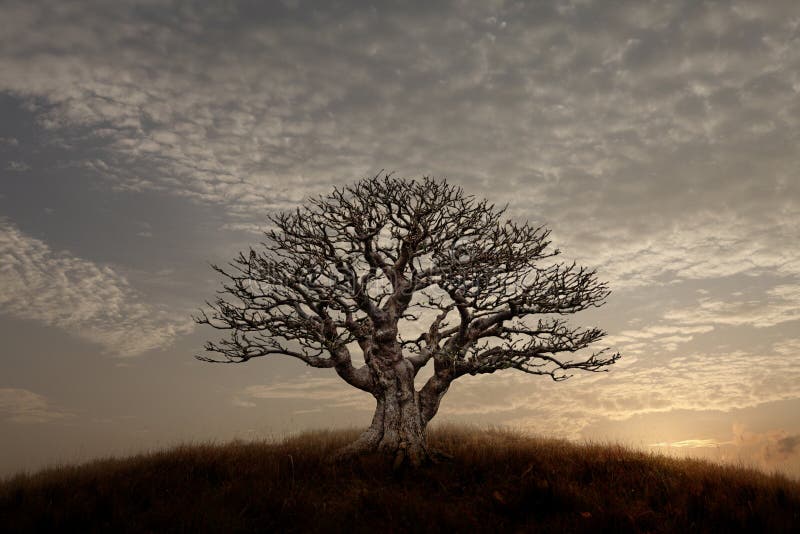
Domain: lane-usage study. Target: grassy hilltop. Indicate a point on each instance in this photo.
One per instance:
(496, 481)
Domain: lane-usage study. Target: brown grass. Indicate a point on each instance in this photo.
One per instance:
(498, 480)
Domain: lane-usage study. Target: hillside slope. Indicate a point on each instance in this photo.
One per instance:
(497, 481)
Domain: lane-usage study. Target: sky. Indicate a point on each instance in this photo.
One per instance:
(141, 141)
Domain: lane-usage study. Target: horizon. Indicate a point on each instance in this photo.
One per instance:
(141, 142)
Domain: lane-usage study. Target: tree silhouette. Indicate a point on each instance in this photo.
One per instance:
(360, 268)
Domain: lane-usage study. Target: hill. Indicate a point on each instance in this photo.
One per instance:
(497, 481)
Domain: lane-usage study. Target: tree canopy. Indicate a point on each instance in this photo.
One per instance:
(406, 272)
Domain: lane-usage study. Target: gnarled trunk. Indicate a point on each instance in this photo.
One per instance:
(398, 426)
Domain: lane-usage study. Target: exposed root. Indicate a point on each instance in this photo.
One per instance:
(399, 457)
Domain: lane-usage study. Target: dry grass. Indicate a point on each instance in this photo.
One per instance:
(497, 481)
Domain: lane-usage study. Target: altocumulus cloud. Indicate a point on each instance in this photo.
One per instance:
(658, 140)
(257, 104)
(782, 305)
(663, 382)
(668, 129)
(87, 300)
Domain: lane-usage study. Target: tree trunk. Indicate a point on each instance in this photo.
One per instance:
(397, 428)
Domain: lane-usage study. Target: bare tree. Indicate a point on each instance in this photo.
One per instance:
(360, 268)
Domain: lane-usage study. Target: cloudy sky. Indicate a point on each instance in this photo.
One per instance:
(141, 140)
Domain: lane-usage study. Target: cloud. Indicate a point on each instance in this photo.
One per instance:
(781, 304)
(655, 140)
(691, 444)
(665, 337)
(565, 95)
(658, 140)
(702, 246)
(723, 381)
(17, 166)
(90, 301)
(243, 403)
(328, 392)
(24, 406)
(788, 347)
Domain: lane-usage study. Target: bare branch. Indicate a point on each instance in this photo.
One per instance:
(348, 268)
